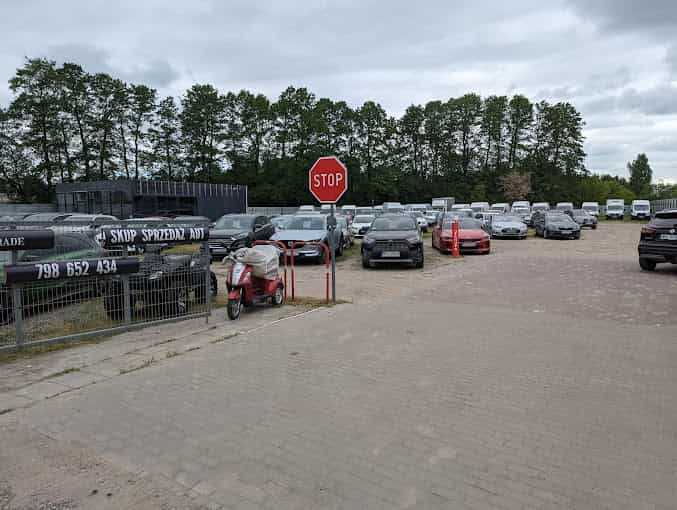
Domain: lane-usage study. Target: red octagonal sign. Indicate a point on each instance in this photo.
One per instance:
(328, 180)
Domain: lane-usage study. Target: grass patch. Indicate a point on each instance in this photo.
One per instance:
(314, 302)
(223, 339)
(63, 372)
(145, 364)
(31, 352)
(171, 354)
(183, 249)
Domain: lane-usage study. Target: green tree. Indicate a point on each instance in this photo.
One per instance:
(164, 137)
(640, 175)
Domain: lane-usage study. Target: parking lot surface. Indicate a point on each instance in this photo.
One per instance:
(540, 376)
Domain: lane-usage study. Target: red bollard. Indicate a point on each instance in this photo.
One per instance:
(455, 247)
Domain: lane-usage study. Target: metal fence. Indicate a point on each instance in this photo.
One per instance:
(659, 205)
(86, 284)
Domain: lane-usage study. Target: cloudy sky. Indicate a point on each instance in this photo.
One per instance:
(616, 60)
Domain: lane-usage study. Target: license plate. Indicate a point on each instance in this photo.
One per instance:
(565, 231)
(391, 254)
(468, 245)
(669, 237)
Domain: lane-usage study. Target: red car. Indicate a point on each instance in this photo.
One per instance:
(472, 239)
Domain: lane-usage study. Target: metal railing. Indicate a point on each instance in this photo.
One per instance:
(668, 203)
(77, 288)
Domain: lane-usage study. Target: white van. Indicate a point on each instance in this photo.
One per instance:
(640, 209)
(479, 206)
(564, 206)
(521, 204)
(615, 209)
(504, 206)
(540, 206)
(392, 207)
(591, 207)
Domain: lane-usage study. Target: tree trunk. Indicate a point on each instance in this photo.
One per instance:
(124, 150)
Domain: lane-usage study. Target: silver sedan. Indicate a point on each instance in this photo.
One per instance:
(508, 227)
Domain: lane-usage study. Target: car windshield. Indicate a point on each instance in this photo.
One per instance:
(234, 222)
(641, 207)
(363, 219)
(394, 223)
(506, 218)
(539, 207)
(307, 223)
(463, 224)
(558, 218)
(614, 207)
(592, 208)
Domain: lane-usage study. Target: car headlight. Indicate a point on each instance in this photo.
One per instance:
(413, 240)
(156, 275)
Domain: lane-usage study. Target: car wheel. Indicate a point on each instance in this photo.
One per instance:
(339, 248)
(419, 261)
(594, 227)
(647, 265)
(366, 263)
(545, 234)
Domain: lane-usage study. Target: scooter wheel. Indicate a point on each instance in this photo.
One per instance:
(234, 308)
(278, 297)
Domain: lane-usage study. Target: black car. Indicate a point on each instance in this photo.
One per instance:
(234, 231)
(67, 246)
(555, 224)
(393, 238)
(582, 217)
(164, 285)
(658, 241)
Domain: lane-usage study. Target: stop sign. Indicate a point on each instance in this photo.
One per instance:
(328, 180)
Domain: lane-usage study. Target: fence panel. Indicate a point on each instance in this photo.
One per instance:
(76, 288)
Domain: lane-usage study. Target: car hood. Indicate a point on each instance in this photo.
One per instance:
(386, 235)
(472, 234)
(508, 224)
(299, 235)
(225, 233)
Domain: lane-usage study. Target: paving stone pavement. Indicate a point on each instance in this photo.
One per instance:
(420, 401)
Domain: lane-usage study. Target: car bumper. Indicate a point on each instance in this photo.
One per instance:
(378, 255)
(640, 216)
(615, 216)
(554, 234)
(509, 235)
(658, 251)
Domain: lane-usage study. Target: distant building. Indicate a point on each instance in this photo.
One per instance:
(132, 198)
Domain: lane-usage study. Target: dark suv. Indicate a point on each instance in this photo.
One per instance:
(393, 238)
(658, 241)
(234, 231)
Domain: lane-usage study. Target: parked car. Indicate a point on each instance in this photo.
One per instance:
(421, 220)
(583, 218)
(472, 237)
(555, 224)
(361, 224)
(431, 215)
(640, 209)
(459, 206)
(521, 203)
(47, 217)
(346, 233)
(361, 211)
(485, 217)
(280, 222)
(234, 231)
(165, 285)
(393, 238)
(540, 206)
(658, 240)
(591, 207)
(508, 226)
(522, 212)
(67, 246)
(89, 224)
(309, 228)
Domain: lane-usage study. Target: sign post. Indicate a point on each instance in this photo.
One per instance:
(328, 181)
(455, 248)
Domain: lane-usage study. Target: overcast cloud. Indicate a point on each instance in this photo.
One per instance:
(616, 60)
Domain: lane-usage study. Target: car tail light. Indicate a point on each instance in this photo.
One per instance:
(648, 231)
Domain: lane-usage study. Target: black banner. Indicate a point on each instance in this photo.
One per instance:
(12, 240)
(139, 236)
(69, 269)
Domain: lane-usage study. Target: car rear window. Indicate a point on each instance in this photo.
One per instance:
(394, 223)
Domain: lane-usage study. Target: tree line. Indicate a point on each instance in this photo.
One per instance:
(65, 124)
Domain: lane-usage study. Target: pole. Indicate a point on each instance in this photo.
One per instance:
(332, 253)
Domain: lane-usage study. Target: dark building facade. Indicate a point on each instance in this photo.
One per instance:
(132, 198)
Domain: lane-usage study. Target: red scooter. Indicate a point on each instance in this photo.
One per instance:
(245, 289)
